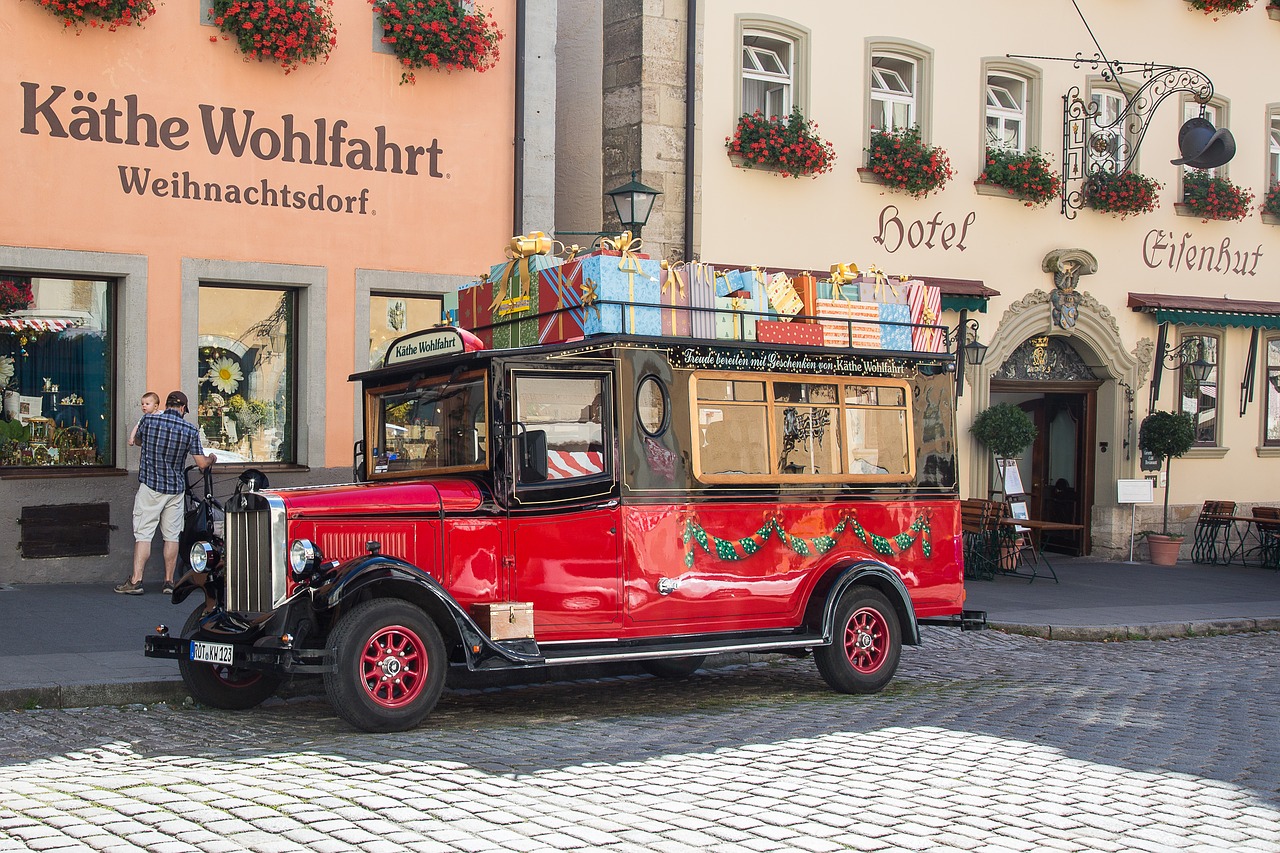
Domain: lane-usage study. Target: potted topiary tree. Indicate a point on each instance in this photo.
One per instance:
(1166, 436)
(1007, 432)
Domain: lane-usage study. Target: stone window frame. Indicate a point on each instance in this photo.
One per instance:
(1096, 85)
(310, 338)
(1219, 338)
(129, 274)
(1033, 107)
(1271, 145)
(1271, 445)
(923, 57)
(801, 39)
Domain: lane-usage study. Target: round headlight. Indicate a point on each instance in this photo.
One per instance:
(304, 556)
(201, 556)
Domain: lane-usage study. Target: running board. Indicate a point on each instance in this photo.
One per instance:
(968, 620)
(552, 656)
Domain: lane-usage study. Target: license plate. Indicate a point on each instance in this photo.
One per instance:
(211, 652)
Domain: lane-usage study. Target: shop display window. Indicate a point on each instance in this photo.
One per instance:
(391, 316)
(247, 369)
(56, 371)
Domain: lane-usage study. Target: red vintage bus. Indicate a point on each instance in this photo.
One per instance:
(617, 498)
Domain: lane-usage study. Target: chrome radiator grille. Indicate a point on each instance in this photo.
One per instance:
(251, 552)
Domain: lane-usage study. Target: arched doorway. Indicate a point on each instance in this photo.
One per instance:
(1048, 379)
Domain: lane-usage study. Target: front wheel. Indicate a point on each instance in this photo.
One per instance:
(388, 666)
(219, 686)
(865, 645)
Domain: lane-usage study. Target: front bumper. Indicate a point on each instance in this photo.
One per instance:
(276, 659)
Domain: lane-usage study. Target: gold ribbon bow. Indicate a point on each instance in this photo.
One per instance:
(590, 296)
(844, 273)
(675, 280)
(519, 251)
(735, 305)
(882, 284)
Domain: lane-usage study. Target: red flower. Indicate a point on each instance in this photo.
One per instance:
(440, 35)
(109, 15)
(790, 146)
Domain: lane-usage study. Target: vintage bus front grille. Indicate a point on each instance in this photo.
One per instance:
(255, 562)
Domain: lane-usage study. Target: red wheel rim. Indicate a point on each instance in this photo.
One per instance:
(235, 678)
(393, 666)
(866, 640)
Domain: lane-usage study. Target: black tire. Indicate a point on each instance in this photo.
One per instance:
(389, 666)
(225, 687)
(866, 642)
(673, 667)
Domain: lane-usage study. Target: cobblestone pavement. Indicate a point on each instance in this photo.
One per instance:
(984, 742)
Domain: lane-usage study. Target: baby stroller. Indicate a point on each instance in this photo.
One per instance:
(203, 514)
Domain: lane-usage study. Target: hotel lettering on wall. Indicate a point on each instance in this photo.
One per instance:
(1164, 249)
(893, 231)
(82, 115)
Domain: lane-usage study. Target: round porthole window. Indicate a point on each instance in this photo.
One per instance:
(652, 403)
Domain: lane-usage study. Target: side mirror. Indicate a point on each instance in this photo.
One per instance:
(533, 456)
(357, 462)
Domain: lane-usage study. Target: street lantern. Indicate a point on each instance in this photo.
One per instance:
(633, 202)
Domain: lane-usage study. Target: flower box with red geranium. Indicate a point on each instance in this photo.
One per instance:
(1271, 205)
(1027, 177)
(790, 146)
(289, 33)
(899, 160)
(15, 294)
(1221, 7)
(1211, 197)
(108, 15)
(436, 34)
(1123, 194)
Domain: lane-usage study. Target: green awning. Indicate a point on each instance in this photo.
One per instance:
(965, 303)
(1213, 318)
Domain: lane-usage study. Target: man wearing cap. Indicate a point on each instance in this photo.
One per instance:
(166, 440)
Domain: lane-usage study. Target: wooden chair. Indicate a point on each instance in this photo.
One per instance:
(1210, 543)
(978, 525)
(1267, 523)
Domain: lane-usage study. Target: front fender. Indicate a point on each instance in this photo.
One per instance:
(886, 580)
(371, 572)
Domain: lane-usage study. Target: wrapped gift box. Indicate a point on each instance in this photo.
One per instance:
(806, 287)
(925, 302)
(895, 336)
(835, 331)
(675, 292)
(625, 277)
(479, 306)
(784, 332)
(865, 335)
(560, 292)
(735, 318)
(700, 278)
(849, 291)
(881, 288)
(783, 298)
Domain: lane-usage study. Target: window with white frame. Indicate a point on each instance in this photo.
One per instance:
(1110, 152)
(1215, 113)
(768, 72)
(1197, 398)
(1273, 151)
(1271, 388)
(895, 84)
(1007, 112)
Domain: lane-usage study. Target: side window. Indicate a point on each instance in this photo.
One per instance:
(765, 429)
(894, 89)
(1272, 409)
(1007, 112)
(1200, 399)
(569, 411)
(768, 73)
(247, 373)
(57, 341)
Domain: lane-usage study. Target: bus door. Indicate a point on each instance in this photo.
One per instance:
(564, 516)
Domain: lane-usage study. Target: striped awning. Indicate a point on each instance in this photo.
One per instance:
(1207, 310)
(38, 324)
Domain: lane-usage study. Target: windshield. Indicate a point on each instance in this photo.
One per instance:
(429, 427)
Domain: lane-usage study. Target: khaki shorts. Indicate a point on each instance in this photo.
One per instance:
(152, 509)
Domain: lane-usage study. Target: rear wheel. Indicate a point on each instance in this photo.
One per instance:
(865, 645)
(220, 686)
(673, 667)
(388, 666)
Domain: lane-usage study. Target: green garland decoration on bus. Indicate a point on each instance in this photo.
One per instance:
(741, 549)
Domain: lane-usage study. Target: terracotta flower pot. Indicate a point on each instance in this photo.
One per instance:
(1164, 549)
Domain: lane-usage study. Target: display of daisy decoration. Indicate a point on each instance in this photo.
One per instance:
(6, 371)
(225, 374)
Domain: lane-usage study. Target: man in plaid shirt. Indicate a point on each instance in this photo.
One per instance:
(166, 440)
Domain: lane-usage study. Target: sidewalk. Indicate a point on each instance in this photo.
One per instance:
(77, 645)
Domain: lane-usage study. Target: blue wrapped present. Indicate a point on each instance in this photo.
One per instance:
(895, 337)
(621, 277)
